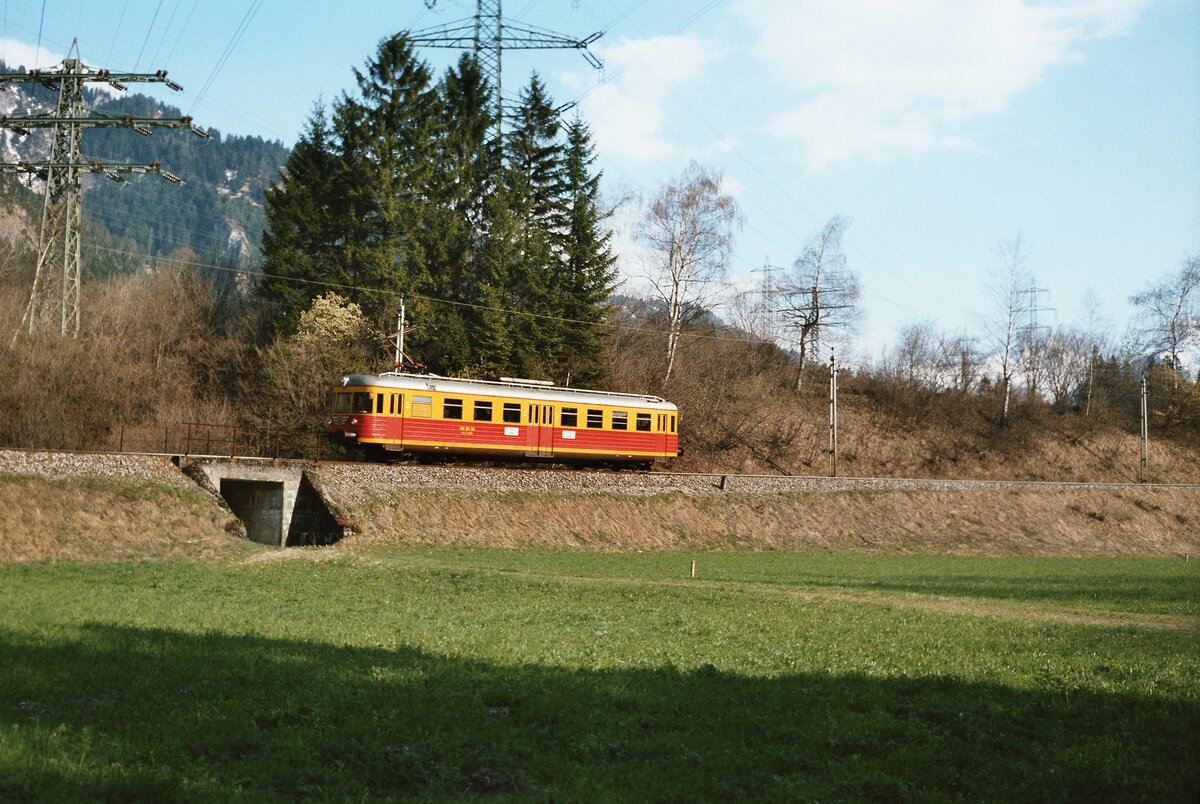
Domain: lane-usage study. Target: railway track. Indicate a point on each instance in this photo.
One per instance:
(582, 477)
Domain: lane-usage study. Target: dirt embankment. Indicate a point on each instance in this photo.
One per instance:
(117, 508)
(631, 512)
(64, 507)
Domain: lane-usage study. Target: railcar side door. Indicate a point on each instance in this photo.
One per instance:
(541, 431)
(396, 428)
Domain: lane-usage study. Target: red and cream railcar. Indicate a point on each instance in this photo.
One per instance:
(516, 419)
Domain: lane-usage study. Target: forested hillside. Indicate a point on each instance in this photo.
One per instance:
(217, 211)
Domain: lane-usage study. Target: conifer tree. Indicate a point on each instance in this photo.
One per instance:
(534, 177)
(588, 266)
(387, 138)
(303, 214)
(456, 219)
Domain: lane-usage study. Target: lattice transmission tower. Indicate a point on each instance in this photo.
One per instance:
(488, 35)
(56, 277)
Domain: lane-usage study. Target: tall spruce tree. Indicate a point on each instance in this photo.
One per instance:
(588, 266)
(303, 235)
(534, 177)
(387, 160)
(457, 216)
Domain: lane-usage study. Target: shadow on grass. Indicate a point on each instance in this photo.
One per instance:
(123, 713)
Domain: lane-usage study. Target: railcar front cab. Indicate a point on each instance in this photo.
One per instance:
(511, 419)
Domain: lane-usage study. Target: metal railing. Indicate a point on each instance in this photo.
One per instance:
(225, 440)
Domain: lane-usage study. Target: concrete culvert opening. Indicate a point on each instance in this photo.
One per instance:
(312, 523)
(259, 504)
(278, 504)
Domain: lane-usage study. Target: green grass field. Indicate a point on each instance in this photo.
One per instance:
(444, 674)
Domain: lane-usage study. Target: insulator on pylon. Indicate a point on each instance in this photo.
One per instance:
(171, 177)
(117, 177)
(172, 85)
(199, 132)
(145, 132)
(117, 85)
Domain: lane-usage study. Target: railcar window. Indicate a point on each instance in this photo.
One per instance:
(341, 403)
(595, 418)
(362, 402)
(379, 403)
(482, 412)
(643, 422)
(620, 420)
(422, 407)
(512, 412)
(452, 409)
(672, 424)
(570, 417)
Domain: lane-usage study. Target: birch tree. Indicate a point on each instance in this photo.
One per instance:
(688, 227)
(1003, 330)
(1169, 314)
(819, 292)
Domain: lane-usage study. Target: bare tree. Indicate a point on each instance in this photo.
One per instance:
(915, 360)
(1168, 313)
(819, 293)
(931, 360)
(1006, 284)
(1066, 364)
(689, 228)
(960, 357)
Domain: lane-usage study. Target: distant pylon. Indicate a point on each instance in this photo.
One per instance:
(56, 277)
(487, 35)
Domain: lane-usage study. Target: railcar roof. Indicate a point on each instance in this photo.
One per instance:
(514, 389)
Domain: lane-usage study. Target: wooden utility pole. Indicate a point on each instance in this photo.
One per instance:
(833, 445)
(1087, 408)
(1144, 465)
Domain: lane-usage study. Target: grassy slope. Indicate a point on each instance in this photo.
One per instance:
(1143, 522)
(106, 518)
(433, 673)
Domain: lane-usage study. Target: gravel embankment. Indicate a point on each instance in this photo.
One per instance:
(349, 477)
(78, 464)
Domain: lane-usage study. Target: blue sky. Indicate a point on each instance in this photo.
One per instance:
(937, 127)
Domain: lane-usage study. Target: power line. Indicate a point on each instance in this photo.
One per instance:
(234, 40)
(149, 30)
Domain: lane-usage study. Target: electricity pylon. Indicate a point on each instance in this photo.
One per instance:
(58, 245)
(488, 35)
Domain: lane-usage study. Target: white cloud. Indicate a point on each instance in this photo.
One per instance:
(626, 110)
(873, 78)
(17, 54)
